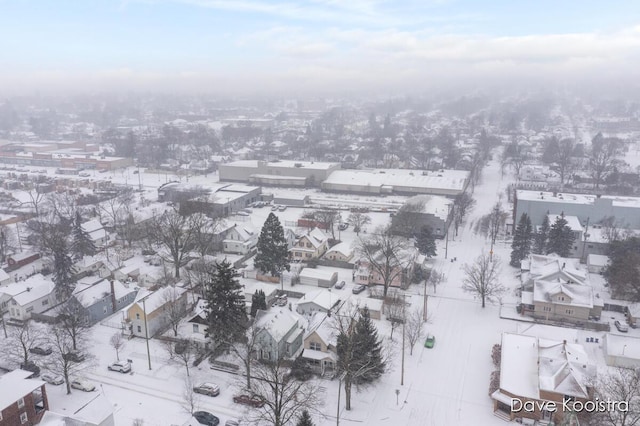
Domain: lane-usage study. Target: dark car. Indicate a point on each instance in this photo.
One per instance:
(74, 357)
(343, 226)
(40, 351)
(206, 418)
(253, 401)
(358, 289)
(340, 285)
(32, 367)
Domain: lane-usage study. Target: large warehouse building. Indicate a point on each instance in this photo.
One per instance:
(281, 173)
(448, 183)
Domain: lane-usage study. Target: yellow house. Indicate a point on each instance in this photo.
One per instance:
(159, 307)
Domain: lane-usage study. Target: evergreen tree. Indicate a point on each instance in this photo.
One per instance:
(63, 276)
(258, 301)
(426, 242)
(226, 315)
(273, 253)
(622, 273)
(305, 419)
(81, 244)
(368, 350)
(541, 238)
(560, 237)
(521, 246)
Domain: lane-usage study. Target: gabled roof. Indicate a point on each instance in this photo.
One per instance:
(580, 295)
(320, 323)
(158, 298)
(321, 298)
(278, 323)
(564, 368)
(316, 237)
(245, 231)
(35, 287)
(92, 226)
(343, 248)
(14, 385)
(88, 296)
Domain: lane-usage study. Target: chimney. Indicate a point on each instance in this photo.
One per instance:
(113, 296)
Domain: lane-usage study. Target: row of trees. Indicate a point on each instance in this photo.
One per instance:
(557, 238)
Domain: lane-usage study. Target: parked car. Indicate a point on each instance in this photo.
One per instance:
(274, 208)
(83, 385)
(253, 401)
(31, 366)
(74, 356)
(232, 423)
(621, 326)
(206, 418)
(358, 289)
(280, 301)
(282, 208)
(343, 226)
(52, 379)
(121, 366)
(430, 342)
(242, 213)
(209, 389)
(40, 350)
(340, 285)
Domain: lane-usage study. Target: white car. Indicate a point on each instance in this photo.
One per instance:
(52, 379)
(83, 385)
(121, 366)
(621, 326)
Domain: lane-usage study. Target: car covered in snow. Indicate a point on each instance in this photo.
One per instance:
(52, 379)
(83, 385)
(253, 401)
(209, 389)
(121, 366)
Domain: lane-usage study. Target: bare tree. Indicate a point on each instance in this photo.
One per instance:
(435, 278)
(462, 204)
(385, 255)
(394, 308)
(358, 220)
(414, 328)
(190, 400)
(327, 218)
(174, 310)
(21, 340)
(621, 385)
(72, 322)
(8, 242)
(176, 234)
(246, 349)
(184, 351)
(564, 159)
(481, 278)
(60, 361)
(603, 158)
(284, 396)
(204, 232)
(492, 225)
(610, 229)
(117, 342)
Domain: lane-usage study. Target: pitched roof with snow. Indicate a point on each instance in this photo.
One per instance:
(579, 295)
(35, 287)
(158, 298)
(277, 323)
(322, 298)
(320, 323)
(343, 248)
(564, 368)
(14, 385)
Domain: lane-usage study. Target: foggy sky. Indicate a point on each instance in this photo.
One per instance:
(313, 46)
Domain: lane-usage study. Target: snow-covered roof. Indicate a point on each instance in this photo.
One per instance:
(563, 198)
(519, 365)
(552, 267)
(322, 298)
(3, 275)
(92, 226)
(87, 296)
(431, 204)
(564, 368)
(579, 295)
(401, 178)
(321, 324)
(277, 322)
(622, 346)
(344, 248)
(158, 298)
(316, 237)
(597, 260)
(245, 231)
(320, 274)
(35, 287)
(572, 221)
(14, 385)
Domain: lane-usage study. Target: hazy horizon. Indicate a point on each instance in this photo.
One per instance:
(313, 46)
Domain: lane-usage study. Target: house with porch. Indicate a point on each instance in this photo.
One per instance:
(538, 370)
(280, 334)
(320, 344)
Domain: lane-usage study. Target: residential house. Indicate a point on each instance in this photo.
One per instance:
(311, 245)
(35, 294)
(97, 234)
(320, 343)
(318, 277)
(318, 301)
(561, 300)
(102, 299)
(19, 260)
(401, 271)
(151, 312)
(280, 334)
(432, 211)
(240, 239)
(23, 401)
(538, 370)
(341, 252)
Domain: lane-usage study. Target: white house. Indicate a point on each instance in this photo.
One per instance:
(320, 343)
(312, 245)
(35, 294)
(240, 239)
(342, 252)
(280, 334)
(97, 233)
(318, 301)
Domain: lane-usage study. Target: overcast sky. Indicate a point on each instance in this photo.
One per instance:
(312, 45)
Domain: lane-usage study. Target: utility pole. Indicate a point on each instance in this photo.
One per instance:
(446, 244)
(404, 320)
(146, 329)
(584, 243)
(424, 305)
(340, 379)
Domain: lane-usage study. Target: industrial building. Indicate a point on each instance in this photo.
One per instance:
(280, 173)
(448, 183)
